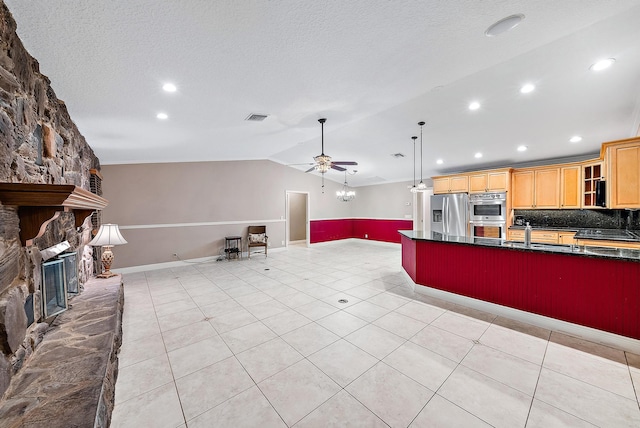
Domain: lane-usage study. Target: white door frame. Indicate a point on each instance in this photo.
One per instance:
(288, 224)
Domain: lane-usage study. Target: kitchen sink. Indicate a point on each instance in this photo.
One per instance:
(556, 248)
(608, 234)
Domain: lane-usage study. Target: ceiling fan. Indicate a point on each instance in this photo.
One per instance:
(323, 163)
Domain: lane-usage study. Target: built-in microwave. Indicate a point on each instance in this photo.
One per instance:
(490, 207)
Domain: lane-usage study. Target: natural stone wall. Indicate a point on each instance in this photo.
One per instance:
(39, 143)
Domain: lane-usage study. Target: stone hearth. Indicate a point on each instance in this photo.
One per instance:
(70, 379)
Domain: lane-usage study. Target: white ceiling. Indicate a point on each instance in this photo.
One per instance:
(373, 68)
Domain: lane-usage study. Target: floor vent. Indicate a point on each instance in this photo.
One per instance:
(254, 117)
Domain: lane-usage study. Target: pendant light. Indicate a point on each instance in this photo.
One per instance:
(421, 186)
(414, 189)
(345, 195)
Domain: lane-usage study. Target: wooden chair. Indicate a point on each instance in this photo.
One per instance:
(257, 238)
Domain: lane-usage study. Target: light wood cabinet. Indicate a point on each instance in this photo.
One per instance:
(536, 188)
(538, 236)
(592, 174)
(570, 187)
(615, 244)
(451, 184)
(566, 237)
(624, 178)
(489, 181)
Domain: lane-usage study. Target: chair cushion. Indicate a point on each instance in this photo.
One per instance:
(257, 238)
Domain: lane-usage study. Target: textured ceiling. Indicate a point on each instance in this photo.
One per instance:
(373, 68)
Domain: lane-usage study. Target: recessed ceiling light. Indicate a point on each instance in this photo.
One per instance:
(478, 155)
(162, 116)
(504, 25)
(526, 88)
(439, 161)
(575, 139)
(474, 105)
(522, 148)
(169, 87)
(602, 64)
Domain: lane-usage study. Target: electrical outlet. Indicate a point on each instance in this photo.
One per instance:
(366, 236)
(282, 243)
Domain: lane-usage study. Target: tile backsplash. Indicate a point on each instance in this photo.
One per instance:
(602, 219)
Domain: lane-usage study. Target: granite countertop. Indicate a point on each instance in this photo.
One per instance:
(590, 233)
(577, 250)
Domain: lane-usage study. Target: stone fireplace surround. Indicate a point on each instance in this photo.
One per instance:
(40, 145)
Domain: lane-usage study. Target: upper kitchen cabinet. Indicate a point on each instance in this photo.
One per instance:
(623, 160)
(536, 188)
(592, 175)
(570, 187)
(451, 184)
(489, 181)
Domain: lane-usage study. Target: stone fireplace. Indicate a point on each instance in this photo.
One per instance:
(45, 198)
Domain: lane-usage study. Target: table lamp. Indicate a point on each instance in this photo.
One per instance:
(108, 235)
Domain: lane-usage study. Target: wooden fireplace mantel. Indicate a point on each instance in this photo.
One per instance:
(38, 203)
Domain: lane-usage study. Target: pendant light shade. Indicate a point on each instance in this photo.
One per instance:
(345, 194)
(421, 186)
(414, 189)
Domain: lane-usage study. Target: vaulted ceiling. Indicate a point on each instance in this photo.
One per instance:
(373, 68)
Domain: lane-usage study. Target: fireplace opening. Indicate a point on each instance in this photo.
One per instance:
(70, 261)
(54, 294)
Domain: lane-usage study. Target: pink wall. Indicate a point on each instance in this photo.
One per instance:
(385, 230)
(594, 292)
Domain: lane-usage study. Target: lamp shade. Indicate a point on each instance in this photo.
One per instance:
(108, 234)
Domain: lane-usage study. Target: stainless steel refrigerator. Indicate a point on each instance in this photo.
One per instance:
(449, 214)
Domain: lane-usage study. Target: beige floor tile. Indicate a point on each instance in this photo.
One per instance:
(489, 400)
(298, 390)
(139, 330)
(461, 325)
(387, 300)
(296, 299)
(367, 311)
(247, 336)
(173, 307)
(363, 292)
(209, 298)
(232, 320)
(253, 299)
(320, 291)
(343, 362)
(142, 377)
(420, 364)
(392, 396)
(543, 415)
(249, 409)
(593, 369)
(194, 357)
(133, 352)
(208, 387)
(220, 308)
(180, 319)
(268, 358)
(516, 343)
(239, 290)
(587, 347)
(342, 323)
(400, 325)
(286, 322)
(512, 371)
(590, 403)
(337, 300)
(183, 336)
(375, 340)
(159, 408)
(440, 412)
(444, 343)
(519, 326)
(267, 309)
(310, 338)
(174, 297)
(341, 410)
(421, 311)
(316, 310)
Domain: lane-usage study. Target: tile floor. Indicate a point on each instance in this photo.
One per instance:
(266, 342)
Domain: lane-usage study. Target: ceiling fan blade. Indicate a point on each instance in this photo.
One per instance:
(345, 163)
(338, 168)
(311, 169)
(299, 164)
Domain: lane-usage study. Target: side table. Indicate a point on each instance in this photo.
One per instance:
(233, 246)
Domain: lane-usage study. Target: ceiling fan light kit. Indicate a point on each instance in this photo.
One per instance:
(421, 186)
(414, 189)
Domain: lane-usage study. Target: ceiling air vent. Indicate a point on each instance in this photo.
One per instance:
(254, 117)
(397, 155)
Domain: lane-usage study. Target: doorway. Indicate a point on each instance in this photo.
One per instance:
(297, 227)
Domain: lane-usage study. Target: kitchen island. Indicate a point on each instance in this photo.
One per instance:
(589, 286)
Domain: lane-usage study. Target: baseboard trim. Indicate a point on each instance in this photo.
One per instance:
(188, 262)
(602, 337)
